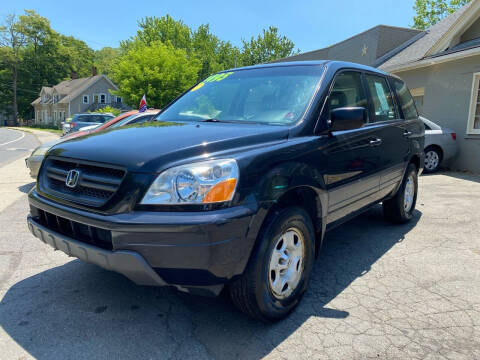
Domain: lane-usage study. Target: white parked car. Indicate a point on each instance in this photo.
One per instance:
(440, 145)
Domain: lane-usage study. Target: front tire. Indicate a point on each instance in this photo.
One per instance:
(400, 208)
(279, 269)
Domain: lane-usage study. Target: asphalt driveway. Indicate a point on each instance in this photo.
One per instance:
(378, 291)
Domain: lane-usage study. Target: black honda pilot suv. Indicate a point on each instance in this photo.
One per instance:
(236, 181)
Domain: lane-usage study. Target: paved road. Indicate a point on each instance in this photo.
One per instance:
(15, 144)
(378, 291)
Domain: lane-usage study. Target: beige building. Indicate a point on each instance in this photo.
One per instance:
(442, 70)
(74, 96)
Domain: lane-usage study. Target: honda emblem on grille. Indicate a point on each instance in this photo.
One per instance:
(72, 178)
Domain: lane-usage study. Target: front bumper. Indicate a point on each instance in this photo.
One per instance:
(129, 263)
(196, 252)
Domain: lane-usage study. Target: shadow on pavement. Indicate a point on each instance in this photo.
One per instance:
(27, 187)
(81, 311)
(462, 176)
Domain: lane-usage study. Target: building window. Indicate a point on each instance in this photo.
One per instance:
(85, 99)
(474, 114)
(118, 99)
(103, 98)
(95, 98)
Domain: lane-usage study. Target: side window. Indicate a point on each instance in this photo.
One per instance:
(382, 100)
(406, 100)
(347, 91)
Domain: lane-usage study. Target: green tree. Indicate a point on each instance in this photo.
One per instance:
(267, 47)
(165, 29)
(212, 53)
(12, 42)
(34, 55)
(77, 56)
(429, 12)
(40, 63)
(158, 70)
(105, 58)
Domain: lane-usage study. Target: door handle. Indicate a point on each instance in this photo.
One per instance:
(376, 142)
(407, 133)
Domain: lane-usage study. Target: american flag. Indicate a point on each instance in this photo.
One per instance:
(143, 104)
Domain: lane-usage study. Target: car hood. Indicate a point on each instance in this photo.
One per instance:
(151, 147)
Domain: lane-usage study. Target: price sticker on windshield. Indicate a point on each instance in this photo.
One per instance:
(212, 78)
(218, 77)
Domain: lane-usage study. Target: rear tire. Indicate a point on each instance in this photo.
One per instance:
(279, 269)
(433, 158)
(399, 209)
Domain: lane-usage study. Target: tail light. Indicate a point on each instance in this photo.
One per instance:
(454, 136)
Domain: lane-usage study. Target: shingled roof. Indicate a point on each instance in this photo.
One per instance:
(70, 89)
(420, 49)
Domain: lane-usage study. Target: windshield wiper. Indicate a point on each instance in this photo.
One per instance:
(211, 120)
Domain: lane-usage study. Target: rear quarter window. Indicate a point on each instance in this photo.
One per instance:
(406, 100)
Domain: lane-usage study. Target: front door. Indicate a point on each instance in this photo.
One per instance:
(353, 156)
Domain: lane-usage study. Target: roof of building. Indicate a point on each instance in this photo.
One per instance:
(388, 39)
(420, 48)
(70, 89)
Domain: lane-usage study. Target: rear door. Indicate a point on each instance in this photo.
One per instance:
(391, 129)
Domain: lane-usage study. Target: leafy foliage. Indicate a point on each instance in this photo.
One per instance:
(159, 70)
(33, 55)
(429, 12)
(108, 109)
(267, 47)
(105, 58)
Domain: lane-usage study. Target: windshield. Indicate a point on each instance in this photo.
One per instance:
(276, 95)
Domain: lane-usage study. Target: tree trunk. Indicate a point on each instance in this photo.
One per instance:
(15, 104)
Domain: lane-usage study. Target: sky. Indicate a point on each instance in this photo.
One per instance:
(309, 24)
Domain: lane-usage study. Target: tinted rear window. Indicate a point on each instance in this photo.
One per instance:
(406, 100)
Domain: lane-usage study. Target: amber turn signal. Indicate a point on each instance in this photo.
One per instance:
(222, 191)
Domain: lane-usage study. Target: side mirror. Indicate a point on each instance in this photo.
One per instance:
(347, 118)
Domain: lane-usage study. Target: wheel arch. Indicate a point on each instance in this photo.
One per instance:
(310, 200)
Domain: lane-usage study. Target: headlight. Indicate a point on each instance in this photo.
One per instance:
(40, 151)
(203, 182)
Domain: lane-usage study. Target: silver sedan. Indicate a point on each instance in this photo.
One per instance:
(440, 145)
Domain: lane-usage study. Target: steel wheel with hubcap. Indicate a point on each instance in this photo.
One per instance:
(286, 264)
(409, 193)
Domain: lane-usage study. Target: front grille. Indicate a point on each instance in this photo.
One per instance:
(96, 183)
(88, 234)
